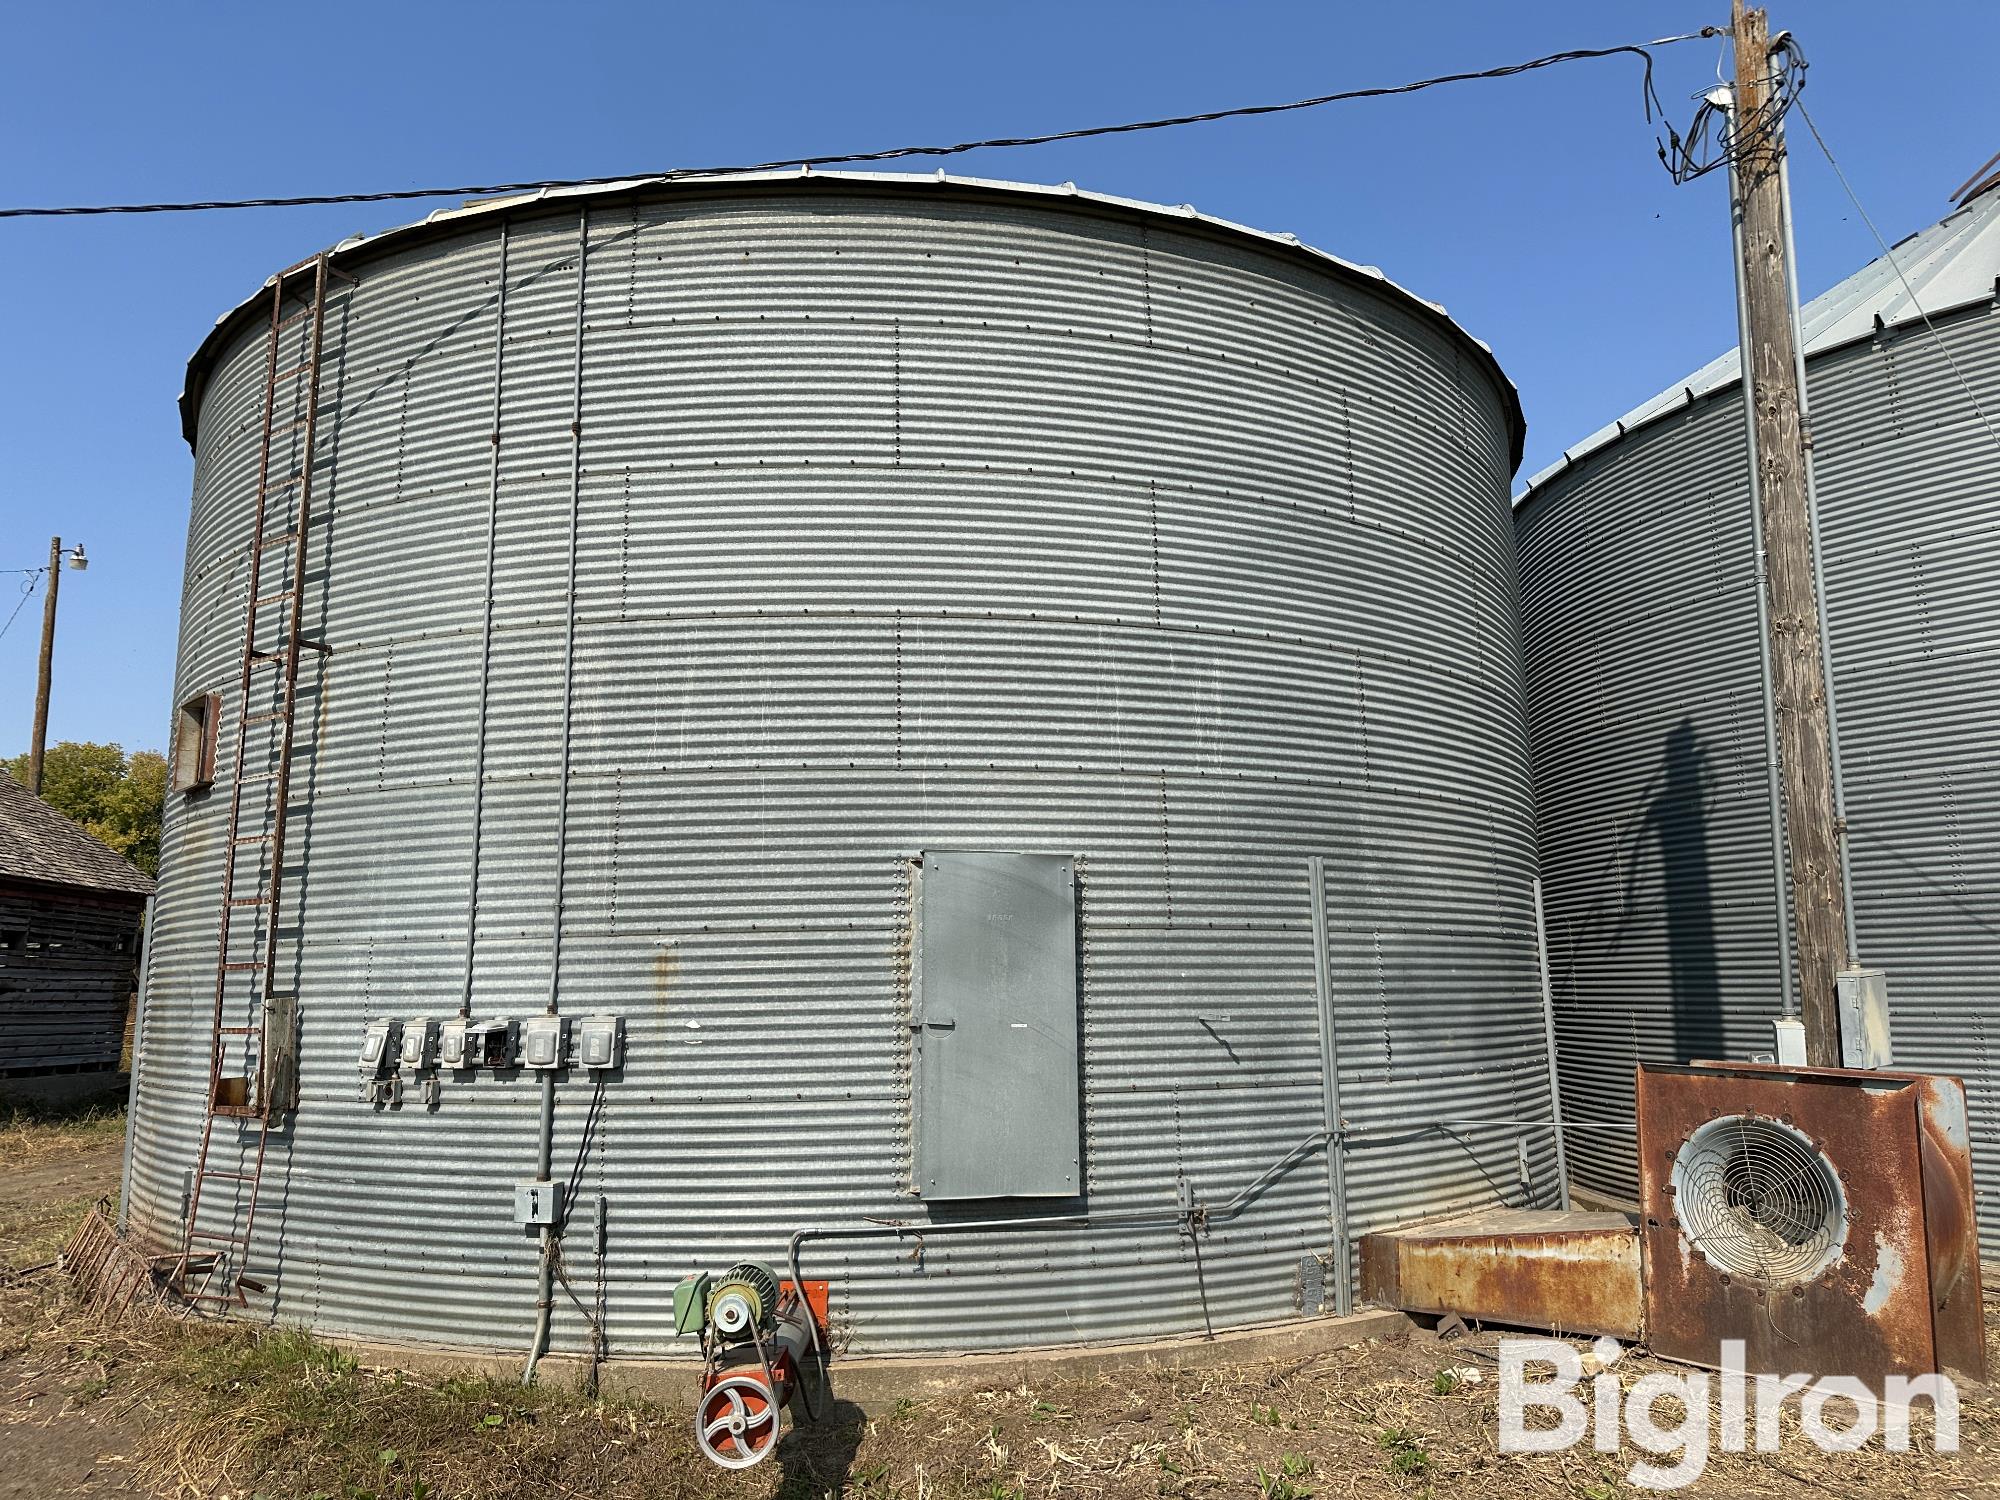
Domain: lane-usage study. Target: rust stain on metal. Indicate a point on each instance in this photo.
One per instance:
(1887, 1280)
(1569, 1272)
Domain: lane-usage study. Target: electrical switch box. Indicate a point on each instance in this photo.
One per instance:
(537, 1202)
(600, 1042)
(458, 1045)
(420, 1045)
(380, 1047)
(497, 1041)
(542, 1039)
(1863, 995)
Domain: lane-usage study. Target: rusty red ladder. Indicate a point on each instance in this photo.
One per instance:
(253, 1059)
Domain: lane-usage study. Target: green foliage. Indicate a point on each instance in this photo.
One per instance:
(115, 796)
(1279, 1487)
(1406, 1456)
(1444, 1383)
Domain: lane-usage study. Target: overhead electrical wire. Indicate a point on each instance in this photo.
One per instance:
(1909, 291)
(1650, 101)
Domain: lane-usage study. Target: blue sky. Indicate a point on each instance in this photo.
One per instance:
(1533, 208)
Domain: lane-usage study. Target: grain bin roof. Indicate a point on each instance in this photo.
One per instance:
(1952, 264)
(448, 220)
(39, 844)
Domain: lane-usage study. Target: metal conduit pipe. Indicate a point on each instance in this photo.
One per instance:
(1774, 794)
(545, 1266)
(1151, 1217)
(485, 633)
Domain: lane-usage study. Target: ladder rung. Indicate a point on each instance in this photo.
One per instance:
(229, 1176)
(240, 901)
(266, 718)
(274, 598)
(242, 967)
(257, 776)
(280, 539)
(235, 1111)
(254, 838)
(291, 371)
(210, 1234)
(290, 318)
(239, 1031)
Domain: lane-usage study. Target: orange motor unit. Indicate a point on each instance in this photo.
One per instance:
(754, 1368)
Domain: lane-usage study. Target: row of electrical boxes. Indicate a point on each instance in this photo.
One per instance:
(420, 1045)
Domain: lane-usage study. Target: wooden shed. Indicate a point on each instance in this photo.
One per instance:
(70, 913)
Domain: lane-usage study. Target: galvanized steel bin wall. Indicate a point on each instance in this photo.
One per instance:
(910, 515)
(1638, 567)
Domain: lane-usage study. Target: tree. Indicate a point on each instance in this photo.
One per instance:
(116, 797)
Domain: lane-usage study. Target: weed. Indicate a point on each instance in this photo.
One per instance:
(1445, 1382)
(1407, 1456)
(1292, 1465)
(1266, 1416)
(1278, 1487)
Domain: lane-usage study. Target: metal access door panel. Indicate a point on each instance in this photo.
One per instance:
(995, 1020)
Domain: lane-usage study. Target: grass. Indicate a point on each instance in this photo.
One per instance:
(37, 1139)
(33, 1133)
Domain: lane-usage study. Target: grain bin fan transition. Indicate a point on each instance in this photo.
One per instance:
(1007, 695)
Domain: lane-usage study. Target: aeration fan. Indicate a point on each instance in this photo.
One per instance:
(1822, 1216)
(758, 1335)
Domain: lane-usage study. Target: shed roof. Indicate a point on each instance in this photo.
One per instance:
(39, 844)
(1953, 263)
(449, 220)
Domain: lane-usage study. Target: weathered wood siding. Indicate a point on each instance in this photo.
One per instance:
(68, 965)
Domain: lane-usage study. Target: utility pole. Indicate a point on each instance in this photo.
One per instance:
(39, 744)
(1771, 385)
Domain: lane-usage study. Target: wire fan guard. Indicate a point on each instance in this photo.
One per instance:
(1758, 1199)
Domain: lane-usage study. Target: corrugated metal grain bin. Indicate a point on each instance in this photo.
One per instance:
(914, 519)
(1638, 576)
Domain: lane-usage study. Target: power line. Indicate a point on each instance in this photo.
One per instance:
(1890, 255)
(1578, 54)
(27, 593)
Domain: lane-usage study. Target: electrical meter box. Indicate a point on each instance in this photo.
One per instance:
(496, 1043)
(380, 1047)
(537, 1202)
(600, 1041)
(542, 1039)
(420, 1044)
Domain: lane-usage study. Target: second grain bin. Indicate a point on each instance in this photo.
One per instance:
(1638, 580)
(1008, 696)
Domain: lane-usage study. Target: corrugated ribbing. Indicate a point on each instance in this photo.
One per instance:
(905, 524)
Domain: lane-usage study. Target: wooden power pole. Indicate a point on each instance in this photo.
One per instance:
(1798, 683)
(38, 746)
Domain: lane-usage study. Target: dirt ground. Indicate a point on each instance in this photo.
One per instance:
(49, 1445)
(171, 1409)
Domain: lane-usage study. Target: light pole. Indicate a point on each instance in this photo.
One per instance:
(39, 744)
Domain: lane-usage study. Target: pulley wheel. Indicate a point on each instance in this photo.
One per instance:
(736, 1422)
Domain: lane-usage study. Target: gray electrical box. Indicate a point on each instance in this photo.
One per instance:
(994, 1027)
(1864, 1018)
(380, 1048)
(542, 1039)
(537, 1202)
(458, 1045)
(420, 1044)
(599, 1042)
